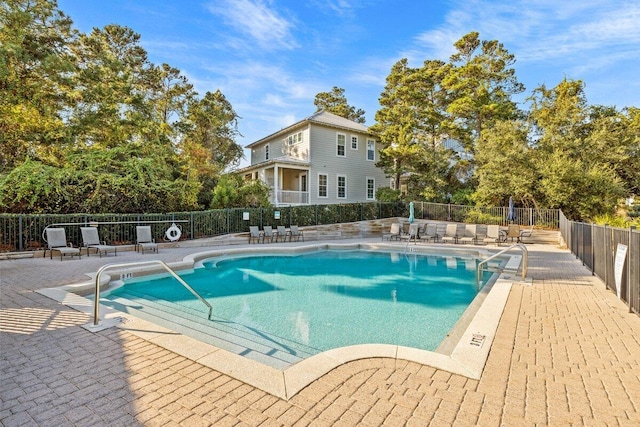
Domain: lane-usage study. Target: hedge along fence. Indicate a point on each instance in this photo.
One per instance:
(25, 232)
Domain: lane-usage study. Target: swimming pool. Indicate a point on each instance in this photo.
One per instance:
(281, 309)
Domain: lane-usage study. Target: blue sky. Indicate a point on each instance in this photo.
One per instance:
(271, 57)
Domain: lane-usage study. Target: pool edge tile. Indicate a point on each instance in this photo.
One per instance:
(306, 371)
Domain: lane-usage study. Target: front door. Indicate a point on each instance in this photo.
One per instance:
(303, 182)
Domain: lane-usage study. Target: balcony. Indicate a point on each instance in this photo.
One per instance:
(291, 198)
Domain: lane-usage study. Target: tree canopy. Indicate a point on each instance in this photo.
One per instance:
(452, 130)
(335, 102)
(89, 124)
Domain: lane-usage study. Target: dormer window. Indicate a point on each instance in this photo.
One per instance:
(293, 139)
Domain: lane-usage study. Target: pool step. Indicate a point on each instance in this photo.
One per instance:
(258, 345)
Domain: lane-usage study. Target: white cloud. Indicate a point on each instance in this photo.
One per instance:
(539, 31)
(258, 21)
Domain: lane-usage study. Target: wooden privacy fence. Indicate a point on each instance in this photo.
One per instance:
(25, 232)
(600, 248)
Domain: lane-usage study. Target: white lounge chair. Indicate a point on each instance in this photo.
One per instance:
(144, 239)
(451, 234)
(412, 234)
(270, 233)
(295, 232)
(283, 233)
(430, 232)
(470, 235)
(255, 234)
(525, 233)
(494, 235)
(57, 241)
(91, 240)
(394, 232)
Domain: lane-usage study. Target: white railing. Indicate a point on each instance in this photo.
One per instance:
(96, 302)
(293, 197)
(525, 261)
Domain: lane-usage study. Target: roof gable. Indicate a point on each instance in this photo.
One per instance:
(321, 118)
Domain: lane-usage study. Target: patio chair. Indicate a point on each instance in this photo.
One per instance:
(412, 234)
(57, 241)
(144, 239)
(451, 234)
(91, 240)
(513, 232)
(255, 234)
(525, 233)
(283, 233)
(295, 232)
(494, 235)
(470, 234)
(430, 232)
(270, 233)
(394, 232)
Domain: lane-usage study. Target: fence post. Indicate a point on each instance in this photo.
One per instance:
(629, 252)
(191, 225)
(582, 241)
(606, 260)
(20, 242)
(593, 256)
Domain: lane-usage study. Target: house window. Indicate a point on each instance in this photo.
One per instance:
(371, 188)
(371, 150)
(266, 152)
(342, 142)
(293, 139)
(342, 186)
(354, 142)
(322, 185)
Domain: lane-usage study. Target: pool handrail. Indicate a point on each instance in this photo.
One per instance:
(525, 261)
(96, 303)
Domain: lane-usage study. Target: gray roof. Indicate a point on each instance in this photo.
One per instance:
(282, 160)
(321, 117)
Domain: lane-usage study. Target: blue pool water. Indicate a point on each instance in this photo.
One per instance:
(309, 303)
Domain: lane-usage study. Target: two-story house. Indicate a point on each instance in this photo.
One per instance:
(322, 159)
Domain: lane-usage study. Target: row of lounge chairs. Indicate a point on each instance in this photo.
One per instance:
(57, 242)
(279, 234)
(457, 233)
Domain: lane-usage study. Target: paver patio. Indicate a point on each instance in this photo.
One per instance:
(567, 352)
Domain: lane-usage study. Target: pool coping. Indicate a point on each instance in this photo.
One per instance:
(467, 358)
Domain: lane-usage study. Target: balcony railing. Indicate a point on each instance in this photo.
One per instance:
(292, 197)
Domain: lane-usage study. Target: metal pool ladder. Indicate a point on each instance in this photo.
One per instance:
(525, 261)
(96, 303)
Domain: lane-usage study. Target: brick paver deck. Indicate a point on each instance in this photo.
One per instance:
(566, 353)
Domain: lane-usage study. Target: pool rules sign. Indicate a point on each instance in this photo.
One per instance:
(621, 255)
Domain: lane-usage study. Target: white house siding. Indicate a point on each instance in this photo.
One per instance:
(354, 166)
(277, 147)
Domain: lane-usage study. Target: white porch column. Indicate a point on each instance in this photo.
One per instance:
(275, 184)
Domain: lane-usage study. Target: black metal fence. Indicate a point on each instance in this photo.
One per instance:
(600, 248)
(25, 232)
